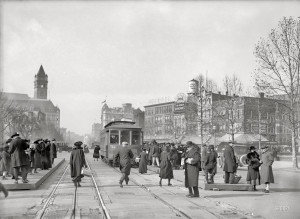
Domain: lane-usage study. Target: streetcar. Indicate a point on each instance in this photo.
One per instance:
(112, 136)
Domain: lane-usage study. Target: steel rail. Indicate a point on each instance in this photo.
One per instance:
(104, 209)
(42, 212)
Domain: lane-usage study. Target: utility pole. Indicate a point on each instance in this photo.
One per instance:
(259, 125)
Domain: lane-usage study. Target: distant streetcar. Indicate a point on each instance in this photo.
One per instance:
(116, 132)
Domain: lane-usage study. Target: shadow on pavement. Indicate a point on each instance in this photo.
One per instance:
(233, 195)
(284, 190)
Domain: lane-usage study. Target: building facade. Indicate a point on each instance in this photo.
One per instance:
(126, 113)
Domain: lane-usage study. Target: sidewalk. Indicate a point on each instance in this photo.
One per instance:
(35, 180)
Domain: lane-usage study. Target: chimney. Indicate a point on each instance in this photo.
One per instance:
(261, 95)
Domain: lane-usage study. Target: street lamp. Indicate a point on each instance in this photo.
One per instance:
(214, 128)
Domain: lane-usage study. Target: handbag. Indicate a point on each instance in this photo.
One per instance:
(86, 172)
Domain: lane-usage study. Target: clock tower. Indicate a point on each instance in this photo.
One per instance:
(40, 84)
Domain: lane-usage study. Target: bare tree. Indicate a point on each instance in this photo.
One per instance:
(228, 111)
(278, 72)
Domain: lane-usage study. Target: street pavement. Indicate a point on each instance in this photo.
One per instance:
(281, 202)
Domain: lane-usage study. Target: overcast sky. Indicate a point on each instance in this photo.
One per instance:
(129, 51)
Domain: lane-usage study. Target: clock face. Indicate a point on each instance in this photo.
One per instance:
(42, 86)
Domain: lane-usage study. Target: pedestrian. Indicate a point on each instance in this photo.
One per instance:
(166, 170)
(48, 153)
(37, 154)
(192, 167)
(85, 149)
(19, 159)
(229, 163)
(266, 171)
(253, 176)
(44, 159)
(5, 161)
(96, 154)
(3, 189)
(174, 156)
(210, 164)
(203, 155)
(53, 150)
(124, 155)
(155, 154)
(143, 161)
(77, 161)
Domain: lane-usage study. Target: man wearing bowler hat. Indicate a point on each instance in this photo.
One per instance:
(19, 159)
(229, 163)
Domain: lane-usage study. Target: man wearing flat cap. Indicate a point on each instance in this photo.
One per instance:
(124, 156)
(266, 171)
(19, 159)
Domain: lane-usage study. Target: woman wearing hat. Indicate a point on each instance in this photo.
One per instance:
(77, 161)
(253, 176)
(192, 166)
(266, 171)
(166, 170)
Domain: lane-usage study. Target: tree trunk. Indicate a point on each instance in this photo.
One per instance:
(294, 152)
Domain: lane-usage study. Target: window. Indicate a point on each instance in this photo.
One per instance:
(125, 136)
(135, 137)
(114, 137)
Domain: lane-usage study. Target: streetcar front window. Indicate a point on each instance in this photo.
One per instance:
(114, 137)
(125, 136)
(135, 137)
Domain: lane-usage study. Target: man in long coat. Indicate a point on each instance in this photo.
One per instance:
(266, 171)
(77, 161)
(124, 155)
(19, 159)
(229, 163)
(53, 150)
(192, 162)
(155, 154)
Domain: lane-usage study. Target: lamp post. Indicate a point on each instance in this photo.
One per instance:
(214, 128)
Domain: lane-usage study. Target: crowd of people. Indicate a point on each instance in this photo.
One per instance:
(20, 157)
(194, 160)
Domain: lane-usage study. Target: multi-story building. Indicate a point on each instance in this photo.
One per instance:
(250, 115)
(126, 112)
(37, 106)
(159, 122)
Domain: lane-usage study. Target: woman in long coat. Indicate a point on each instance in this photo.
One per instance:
(192, 164)
(253, 176)
(166, 170)
(143, 161)
(37, 155)
(96, 152)
(266, 171)
(77, 161)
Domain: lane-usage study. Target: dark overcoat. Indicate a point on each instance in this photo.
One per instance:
(253, 167)
(77, 161)
(124, 155)
(143, 162)
(166, 170)
(53, 151)
(156, 151)
(5, 162)
(17, 150)
(38, 156)
(96, 152)
(48, 154)
(210, 161)
(266, 171)
(229, 160)
(192, 170)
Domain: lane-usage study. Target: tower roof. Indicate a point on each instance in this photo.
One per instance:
(41, 71)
